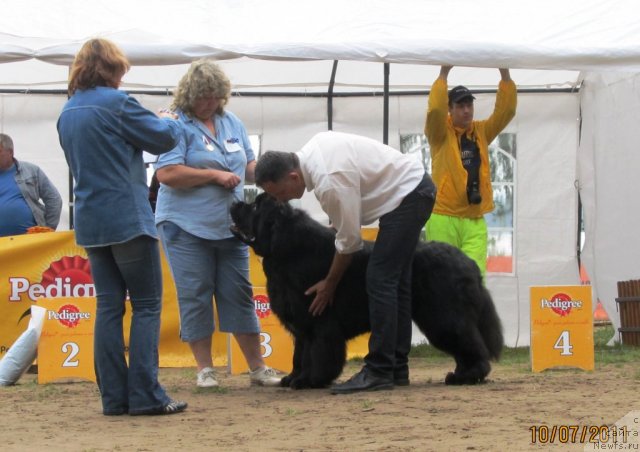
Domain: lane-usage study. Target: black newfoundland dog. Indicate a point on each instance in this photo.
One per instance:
(451, 306)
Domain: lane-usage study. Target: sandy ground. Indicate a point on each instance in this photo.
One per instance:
(426, 416)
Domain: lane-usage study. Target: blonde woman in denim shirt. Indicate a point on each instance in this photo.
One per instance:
(103, 131)
(199, 180)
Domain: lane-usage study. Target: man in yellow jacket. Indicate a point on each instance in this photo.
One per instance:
(460, 163)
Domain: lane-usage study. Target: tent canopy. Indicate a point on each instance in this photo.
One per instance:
(572, 34)
(552, 40)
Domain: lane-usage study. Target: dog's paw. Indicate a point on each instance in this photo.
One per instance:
(300, 383)
(294, 382)
(286, 381)
(455, 379)
(452, 379)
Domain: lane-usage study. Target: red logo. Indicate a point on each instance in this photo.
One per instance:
(262, 306)
(561, 304)
(71, 270)
(68, 315)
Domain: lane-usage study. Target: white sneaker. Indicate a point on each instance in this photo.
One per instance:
(207, 378)
(264, 376)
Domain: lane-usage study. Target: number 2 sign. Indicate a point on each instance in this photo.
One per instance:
(65, 349)
(561, 327)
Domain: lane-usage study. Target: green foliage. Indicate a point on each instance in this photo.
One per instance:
(615, 354)
(602, 335)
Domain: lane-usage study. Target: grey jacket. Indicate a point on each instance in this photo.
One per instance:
(35, 186)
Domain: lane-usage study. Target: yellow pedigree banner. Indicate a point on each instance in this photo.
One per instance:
(561, 327)
(38, 267)
(276, 344)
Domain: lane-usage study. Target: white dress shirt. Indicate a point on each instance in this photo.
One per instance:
(356, 180)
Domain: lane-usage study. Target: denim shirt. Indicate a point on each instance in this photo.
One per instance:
(204, 211)
(103, 132)
(35, 186)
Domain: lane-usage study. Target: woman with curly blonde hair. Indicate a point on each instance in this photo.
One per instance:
(204, 79)
(199, 180)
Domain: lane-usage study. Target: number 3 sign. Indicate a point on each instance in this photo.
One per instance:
(561, 327)
(276, 343)
(65, 350)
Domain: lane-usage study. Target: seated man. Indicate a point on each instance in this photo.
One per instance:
(27, 196)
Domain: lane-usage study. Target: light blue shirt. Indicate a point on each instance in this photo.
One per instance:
(204, 211)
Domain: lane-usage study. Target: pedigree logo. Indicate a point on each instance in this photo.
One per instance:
(262, 306)
(68, 315)
(561, 304)
(67, 277)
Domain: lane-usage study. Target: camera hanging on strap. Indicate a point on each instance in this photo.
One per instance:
(470, 155)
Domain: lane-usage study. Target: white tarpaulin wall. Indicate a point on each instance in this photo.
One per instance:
(609, 162)
(267, 47)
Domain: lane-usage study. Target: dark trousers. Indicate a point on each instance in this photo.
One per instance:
(389, 281)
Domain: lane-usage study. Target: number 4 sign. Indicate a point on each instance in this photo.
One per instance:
(561, 327)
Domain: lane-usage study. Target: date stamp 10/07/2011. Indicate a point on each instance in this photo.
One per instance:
(583, 434)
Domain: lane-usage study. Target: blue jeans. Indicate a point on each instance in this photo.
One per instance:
(202, 269)
(133, 266)
(389, 282)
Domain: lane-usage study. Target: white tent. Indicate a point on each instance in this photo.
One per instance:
(575, 63)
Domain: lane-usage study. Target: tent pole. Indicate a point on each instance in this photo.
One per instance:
(385, 112)
(580, 211)
(332, 82)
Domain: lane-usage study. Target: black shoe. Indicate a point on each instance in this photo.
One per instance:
(401, 376)
(362, 381)
(173, 407)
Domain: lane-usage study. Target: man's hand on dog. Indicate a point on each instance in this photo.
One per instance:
(324, 296)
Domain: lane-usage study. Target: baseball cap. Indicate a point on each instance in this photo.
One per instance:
(459, 93)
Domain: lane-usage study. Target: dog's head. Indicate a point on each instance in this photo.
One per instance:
(260, 224)
(242, 217)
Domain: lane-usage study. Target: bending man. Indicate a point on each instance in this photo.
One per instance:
(358, 181)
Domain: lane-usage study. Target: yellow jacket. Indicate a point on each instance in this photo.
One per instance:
(444, 141)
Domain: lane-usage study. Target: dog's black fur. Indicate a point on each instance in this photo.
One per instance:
(450, 306)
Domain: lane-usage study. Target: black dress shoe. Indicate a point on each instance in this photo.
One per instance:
(401, 376)
(362, 381)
